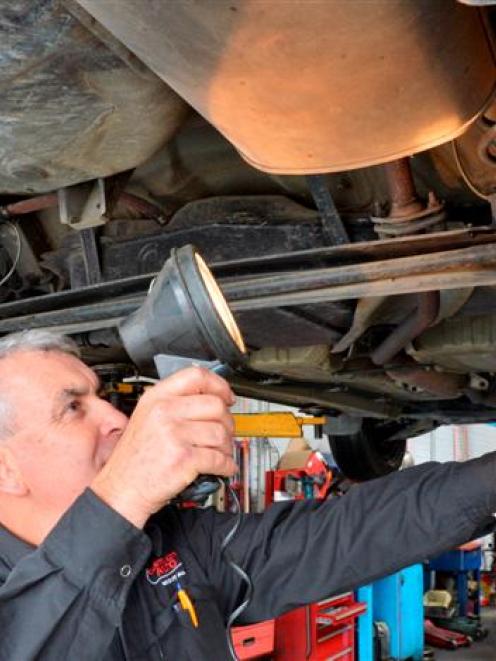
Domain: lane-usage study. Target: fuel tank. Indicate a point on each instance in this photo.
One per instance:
(74, 104)
(303, 86)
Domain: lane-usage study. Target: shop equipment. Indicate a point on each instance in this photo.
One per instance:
(461, 563)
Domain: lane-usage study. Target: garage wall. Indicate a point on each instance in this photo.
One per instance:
(453, 443)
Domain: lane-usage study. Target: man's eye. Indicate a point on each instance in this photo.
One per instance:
(75, 405)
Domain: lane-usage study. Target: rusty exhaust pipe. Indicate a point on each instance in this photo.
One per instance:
(425, 314)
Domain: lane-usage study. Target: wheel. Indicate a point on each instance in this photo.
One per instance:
(367, 453)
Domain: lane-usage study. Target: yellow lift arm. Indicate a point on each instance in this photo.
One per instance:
(273, 425)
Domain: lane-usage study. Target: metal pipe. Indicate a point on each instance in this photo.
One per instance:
(106, 310)
(401, 188)
(369, 251)
(408, 214)
(385, 287)
(30, 205)
(134, 203)
(425, 314)
(313, 279)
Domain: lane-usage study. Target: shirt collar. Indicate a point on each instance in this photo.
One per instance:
(12, 549)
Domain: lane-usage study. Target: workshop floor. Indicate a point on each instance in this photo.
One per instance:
(484, 650)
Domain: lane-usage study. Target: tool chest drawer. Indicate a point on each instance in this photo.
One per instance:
(254, 640)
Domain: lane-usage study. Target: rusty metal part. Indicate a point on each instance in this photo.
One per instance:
(369, 311)
(456, 279)
(30, 205)
(321, 90)
(486, 149)
(40, 202)
(471, 158)
(138, 204)
(402, 193)
(365, 312)
(408, 214)
(361, 375)
(347, 402)
(441, 384)
(107, 313)
(432, 219)
(472, 259)
(426, 312)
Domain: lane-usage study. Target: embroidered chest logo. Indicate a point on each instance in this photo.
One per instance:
(165, 570)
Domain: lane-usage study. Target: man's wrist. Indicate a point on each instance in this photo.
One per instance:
(122, 502)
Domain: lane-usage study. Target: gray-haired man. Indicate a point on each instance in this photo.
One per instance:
(92, 557)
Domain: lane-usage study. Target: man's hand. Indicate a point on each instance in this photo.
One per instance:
(181, 428)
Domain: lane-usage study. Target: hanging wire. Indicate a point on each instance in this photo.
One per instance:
(465, 177)
(236, 568)
(15, 262)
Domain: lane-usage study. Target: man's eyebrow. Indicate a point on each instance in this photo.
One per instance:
(66, 394)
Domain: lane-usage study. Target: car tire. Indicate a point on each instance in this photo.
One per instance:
(367, 454)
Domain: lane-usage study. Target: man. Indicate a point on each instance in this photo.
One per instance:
(92, 559)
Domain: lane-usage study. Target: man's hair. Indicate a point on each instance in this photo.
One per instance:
(29, 340)
(37, 340)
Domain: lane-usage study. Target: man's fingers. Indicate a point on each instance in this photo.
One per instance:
(213, 435)
(210, 435)
(208, 408)
(213, 462)
(191, 381)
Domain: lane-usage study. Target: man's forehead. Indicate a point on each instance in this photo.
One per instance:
(46, 368)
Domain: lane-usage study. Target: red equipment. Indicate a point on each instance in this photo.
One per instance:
(443, 638)
(319, 631)
(326, 629)
(310, 481)
(254, 641)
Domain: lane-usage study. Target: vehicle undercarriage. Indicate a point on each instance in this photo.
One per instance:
(359, 254)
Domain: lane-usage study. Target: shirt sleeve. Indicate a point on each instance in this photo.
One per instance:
(298, 553)
(65, 599)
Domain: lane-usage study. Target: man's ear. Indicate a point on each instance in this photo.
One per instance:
(11, 480)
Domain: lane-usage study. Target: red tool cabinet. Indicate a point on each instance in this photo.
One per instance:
(324, 631)
(319, 632)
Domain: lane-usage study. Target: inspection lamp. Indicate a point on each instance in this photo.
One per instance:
(184, 319)
(185, 315)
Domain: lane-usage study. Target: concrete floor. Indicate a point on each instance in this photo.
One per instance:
(484, 650)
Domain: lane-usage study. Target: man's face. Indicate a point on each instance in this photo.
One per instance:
(63, 431)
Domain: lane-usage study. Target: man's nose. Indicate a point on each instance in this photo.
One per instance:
(111, 421)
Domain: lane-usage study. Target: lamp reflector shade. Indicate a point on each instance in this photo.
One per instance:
(184, 314)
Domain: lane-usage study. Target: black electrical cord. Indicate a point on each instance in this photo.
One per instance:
(236, 568)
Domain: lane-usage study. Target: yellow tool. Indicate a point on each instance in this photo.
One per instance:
(273, 425)
(187, 605)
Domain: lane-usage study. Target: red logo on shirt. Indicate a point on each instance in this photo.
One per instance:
(165, 570)
(164, 565)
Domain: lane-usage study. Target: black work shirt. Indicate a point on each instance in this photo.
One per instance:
(85, 594)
